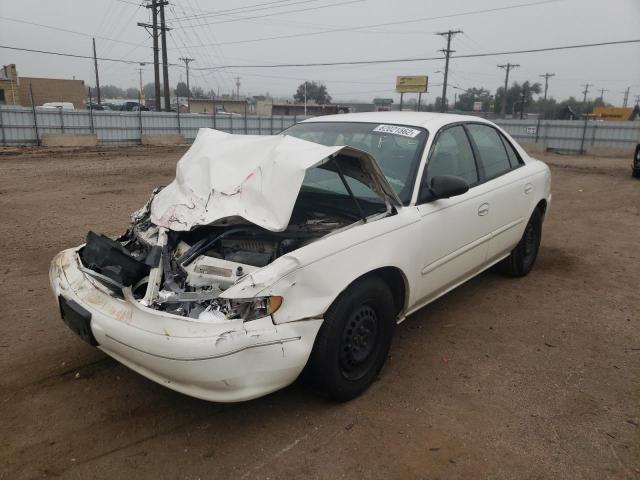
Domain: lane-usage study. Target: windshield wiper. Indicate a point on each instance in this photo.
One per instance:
(346, 185)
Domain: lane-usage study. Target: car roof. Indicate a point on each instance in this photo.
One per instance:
(414, 119)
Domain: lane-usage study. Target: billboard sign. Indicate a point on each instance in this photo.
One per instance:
(411, 84)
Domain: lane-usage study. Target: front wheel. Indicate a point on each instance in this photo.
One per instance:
(353, 343)
(521, 260)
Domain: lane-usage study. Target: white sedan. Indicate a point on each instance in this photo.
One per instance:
(268, 256)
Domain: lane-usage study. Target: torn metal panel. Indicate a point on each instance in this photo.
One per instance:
(252, 177)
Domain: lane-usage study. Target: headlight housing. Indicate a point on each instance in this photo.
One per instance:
(247, 308)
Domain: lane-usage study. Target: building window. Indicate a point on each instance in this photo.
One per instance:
(2, 101)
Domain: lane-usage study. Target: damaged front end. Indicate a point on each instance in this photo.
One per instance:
(178, 297)
(185, 273)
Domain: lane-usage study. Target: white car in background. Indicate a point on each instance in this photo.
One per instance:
(270, 255)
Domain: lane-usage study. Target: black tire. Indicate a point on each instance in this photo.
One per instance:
(354, 340)
(522, 258)
(635, 173)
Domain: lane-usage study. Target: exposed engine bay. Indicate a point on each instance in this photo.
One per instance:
(188, 270)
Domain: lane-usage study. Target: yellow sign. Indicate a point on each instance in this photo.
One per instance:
(412, 84)
(612, 114)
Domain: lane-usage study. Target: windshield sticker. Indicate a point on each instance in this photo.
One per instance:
(395, 130)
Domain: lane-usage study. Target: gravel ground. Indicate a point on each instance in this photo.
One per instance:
(531, 378)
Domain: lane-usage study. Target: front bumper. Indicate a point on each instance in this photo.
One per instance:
(224, 362)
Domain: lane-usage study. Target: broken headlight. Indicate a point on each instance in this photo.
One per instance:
(247, 308)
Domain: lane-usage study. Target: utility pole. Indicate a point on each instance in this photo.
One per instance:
(507, 67)
(165, 62)
(187, 61)
(546, 82)
(237, 88)
(637, 99)
(626, 97)
(447, 52)
(523, 100)
(95, 66)
(156, 51)
(141, 90)
(602, 90)
(585, 91)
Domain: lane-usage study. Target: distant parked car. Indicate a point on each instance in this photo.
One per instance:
(635, 166)
(62, 105)
(95, 106)
(133, 107)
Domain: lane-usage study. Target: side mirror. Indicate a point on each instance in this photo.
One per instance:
(443, 186)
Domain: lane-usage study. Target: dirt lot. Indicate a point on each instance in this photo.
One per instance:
(531, 379)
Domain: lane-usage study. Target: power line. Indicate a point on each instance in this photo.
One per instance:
(338, 4)
(356, 62)
(423, 59)
(385, 24)
(66, 30)
(246, 9)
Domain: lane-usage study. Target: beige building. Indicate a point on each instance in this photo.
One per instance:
(9, 94)
(14, 90)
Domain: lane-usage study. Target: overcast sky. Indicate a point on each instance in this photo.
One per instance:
(538, 25)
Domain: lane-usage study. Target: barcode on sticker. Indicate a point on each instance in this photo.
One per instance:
(396, 130)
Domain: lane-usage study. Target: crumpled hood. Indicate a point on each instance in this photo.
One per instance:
(256, 177)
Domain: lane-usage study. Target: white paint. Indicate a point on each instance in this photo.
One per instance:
(434, 246)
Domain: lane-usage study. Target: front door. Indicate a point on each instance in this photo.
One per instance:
(455, 231)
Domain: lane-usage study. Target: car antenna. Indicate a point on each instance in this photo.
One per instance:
(346, 185)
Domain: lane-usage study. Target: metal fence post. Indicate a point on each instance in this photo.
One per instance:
(281, 123)
(537, 130)
(213, 101)
(4, 140)
(245, 118)
(35, 117)
(259, 125)
(271, 124)
(61, 119)
(584, 134)
(295, 118)
(91, 127)
(178, 114)
(593, 133)
(140, 118)
(231, 123)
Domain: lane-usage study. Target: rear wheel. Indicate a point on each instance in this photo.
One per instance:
(520, 261)
(353, 343)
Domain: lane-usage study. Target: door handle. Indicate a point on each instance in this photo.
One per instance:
(483, 209)
(528, 188)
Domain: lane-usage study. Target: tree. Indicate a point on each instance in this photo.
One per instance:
(181, 90)
(470, 96)
(514, 96)
(197, 92)
(316, 92)
(111, 91)
(149, 90)
(132, 93)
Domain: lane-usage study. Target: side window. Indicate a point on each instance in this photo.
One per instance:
(492, 152)
(452, 155)
(514, 158)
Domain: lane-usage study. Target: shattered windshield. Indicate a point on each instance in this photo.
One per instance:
(396, 148)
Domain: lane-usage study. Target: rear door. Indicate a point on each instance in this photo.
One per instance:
(455, 231)
(509, 192)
